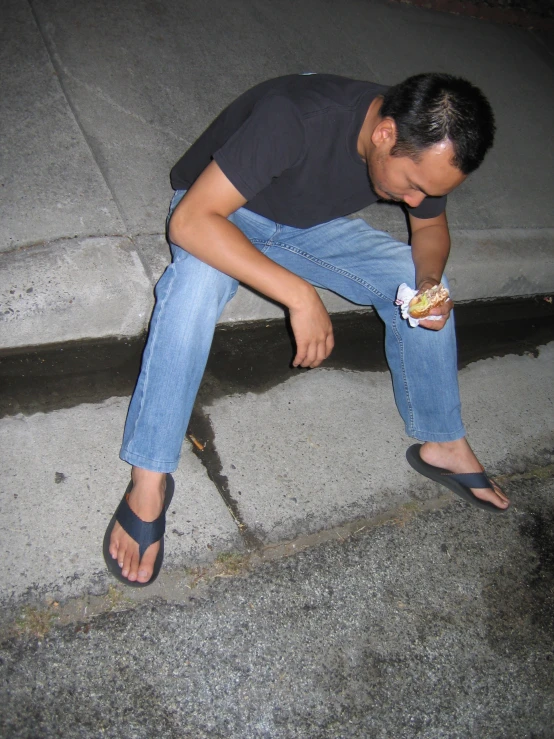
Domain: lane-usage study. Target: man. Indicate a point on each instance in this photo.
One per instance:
(261, 198)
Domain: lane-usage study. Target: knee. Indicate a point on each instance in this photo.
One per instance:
(191, 279)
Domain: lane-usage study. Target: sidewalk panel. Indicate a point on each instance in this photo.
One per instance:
(61, 483)
(144, 101)
(51, 185)
(328, 446)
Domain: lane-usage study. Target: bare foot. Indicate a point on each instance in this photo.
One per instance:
(146, 499)
(458, 457)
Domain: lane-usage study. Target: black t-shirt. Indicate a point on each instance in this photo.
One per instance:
(289, 146)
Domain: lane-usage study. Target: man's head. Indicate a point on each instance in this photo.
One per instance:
(428, 109)
(429, 133)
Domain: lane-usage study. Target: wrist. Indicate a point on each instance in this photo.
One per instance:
(425, 283)
(301, 293)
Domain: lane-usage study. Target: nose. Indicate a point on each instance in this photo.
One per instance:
(414, 199)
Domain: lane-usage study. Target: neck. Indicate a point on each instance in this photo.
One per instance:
(371, 119)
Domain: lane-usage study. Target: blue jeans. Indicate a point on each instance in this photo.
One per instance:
(346, 256)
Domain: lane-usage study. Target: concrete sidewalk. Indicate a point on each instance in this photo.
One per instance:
(323, 449)
(100, 99)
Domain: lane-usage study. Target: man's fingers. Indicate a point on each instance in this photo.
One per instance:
(308, 358)
(432, 325)
(313, 354)
(313, 333)
(302, 358)
(443, 311)
(305, 355)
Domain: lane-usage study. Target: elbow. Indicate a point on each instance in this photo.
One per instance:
(188, 227)
(178, 230)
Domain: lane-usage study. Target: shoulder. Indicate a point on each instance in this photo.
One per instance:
(309, 94)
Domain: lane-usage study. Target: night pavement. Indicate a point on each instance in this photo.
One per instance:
(431, 623)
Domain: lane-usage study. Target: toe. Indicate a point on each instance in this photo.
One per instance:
(493, 495)
(127, 560)
(146, 567)
(115, 542)
(133, 566)
(500, 499)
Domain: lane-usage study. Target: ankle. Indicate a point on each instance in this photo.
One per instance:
(148, 480)
(146, 498)
(447, 446)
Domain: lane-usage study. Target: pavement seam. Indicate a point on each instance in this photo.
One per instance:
(482, 12)
(63, 240)
(201, 434)
(57, 65)
(188, 584)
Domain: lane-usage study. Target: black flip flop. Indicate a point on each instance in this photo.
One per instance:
(458, 483)
(143, 532)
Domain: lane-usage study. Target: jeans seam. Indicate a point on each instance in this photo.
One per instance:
(405, 384)
(261, 244)
(332, 268)
(437, 435)
(154, 338)
(155, 461)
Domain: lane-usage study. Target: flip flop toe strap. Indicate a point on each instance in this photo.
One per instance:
(144, 533)
(471, 479)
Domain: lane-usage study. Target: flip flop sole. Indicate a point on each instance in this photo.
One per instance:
(112, 564)
(438, 474)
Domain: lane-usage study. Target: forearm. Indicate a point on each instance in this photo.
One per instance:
(215, 240)
(430, 249)
(200, 225)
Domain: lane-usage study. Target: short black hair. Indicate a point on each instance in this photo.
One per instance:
(433, 107)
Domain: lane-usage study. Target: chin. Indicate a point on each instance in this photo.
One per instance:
(383, 194)
(388, 198)
(380, 193)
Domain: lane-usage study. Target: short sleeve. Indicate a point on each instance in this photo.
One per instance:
(429, 208)
(270, 141)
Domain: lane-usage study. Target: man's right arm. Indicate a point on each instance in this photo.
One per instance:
(199, 225)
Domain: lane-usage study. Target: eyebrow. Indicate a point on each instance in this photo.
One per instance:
(417, 187)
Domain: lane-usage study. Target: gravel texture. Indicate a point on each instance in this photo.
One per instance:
(439, 626)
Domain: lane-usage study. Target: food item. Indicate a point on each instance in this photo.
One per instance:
(422, 304)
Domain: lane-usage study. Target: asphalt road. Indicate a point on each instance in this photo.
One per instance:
(435, 622)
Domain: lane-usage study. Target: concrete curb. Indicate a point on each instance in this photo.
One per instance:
(71, 290)
(93, 288)
(479, 11)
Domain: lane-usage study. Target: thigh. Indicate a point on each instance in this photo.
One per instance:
(346, 256)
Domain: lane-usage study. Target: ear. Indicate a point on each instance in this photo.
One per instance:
(384, 134)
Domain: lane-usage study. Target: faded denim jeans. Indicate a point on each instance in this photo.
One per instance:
(346, 256)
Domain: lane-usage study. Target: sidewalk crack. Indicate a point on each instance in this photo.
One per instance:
(59, 71)
(201, 433)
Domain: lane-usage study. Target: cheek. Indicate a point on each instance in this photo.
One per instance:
(380, 176)
(393, 179)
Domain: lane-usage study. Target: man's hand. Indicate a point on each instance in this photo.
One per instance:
(441, 310)
(313, 332)
(430, 248)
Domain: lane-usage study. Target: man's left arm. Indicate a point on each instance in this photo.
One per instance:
(430, 248)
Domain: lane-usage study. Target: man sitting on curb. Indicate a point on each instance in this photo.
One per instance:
(262, 198)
